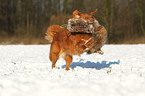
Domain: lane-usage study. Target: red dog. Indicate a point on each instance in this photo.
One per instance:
(66, 44)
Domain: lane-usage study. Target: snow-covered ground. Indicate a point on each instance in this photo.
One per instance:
(25, 70)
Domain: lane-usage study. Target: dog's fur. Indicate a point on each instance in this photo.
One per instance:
(66, 44)
(99, 36)
(51, 31)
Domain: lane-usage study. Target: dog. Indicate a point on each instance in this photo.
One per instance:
(88, 17)
(66, 43)
(99, 32)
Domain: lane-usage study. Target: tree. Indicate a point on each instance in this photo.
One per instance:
(140, 11)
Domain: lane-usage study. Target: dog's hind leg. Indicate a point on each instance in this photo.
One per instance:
(54, 53)
(68, 59)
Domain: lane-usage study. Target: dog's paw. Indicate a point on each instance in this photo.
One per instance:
(87, 49)
(100, 52)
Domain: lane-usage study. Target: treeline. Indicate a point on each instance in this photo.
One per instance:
(123, 19)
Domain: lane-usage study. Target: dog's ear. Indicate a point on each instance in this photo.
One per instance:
(76, 14)
(93, 13)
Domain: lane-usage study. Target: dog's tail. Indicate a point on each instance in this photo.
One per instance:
(51, 31)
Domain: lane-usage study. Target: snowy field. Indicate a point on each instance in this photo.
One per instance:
(25, 70)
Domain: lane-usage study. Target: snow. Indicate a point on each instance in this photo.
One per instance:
(25, 70)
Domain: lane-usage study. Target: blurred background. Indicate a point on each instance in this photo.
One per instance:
(26, 21)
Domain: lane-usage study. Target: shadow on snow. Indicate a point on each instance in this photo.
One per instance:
(89, 64)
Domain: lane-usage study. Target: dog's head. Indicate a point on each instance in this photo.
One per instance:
(88, 17)
(77, 14)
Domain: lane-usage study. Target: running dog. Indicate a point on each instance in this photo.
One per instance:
(66, 43)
